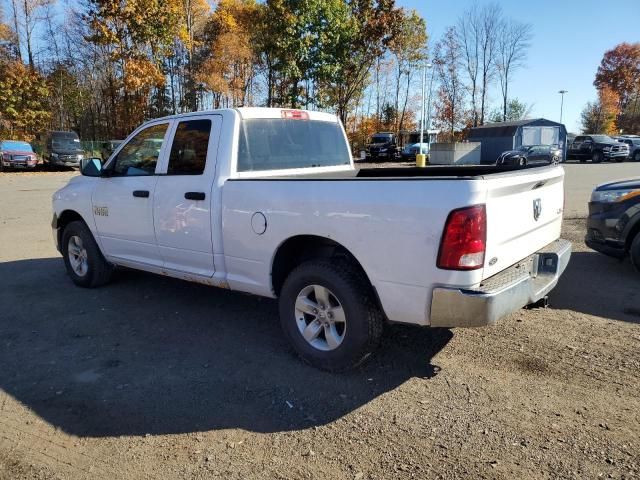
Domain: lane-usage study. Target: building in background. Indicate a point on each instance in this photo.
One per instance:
(500, 137)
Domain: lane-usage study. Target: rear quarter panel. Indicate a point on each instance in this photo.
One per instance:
(392, 227)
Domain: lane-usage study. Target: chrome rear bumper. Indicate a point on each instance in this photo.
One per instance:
(526, 282)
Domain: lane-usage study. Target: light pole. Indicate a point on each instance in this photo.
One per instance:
(562, 92)
(430, 66)
(422, 119)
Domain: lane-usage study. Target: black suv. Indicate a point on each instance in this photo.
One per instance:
(597, 148)
(383, 146)
(613, 225)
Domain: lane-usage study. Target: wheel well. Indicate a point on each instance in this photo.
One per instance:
(302, 248)
(65, 219)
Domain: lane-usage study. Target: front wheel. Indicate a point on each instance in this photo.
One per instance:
(596, 157)
(328, 314)
(636, 156)
(82, 258)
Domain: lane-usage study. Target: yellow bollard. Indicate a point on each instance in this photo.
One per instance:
(421, 160)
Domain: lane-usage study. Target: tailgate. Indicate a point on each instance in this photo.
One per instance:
(524, 214)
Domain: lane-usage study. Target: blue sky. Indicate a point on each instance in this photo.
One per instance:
(570, 37)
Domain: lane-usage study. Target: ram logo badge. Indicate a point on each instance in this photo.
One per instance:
(537, 209)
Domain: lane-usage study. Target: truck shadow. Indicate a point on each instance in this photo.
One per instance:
(153, 355)
(599, 285)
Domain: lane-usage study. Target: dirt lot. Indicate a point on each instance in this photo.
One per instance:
(155, 378)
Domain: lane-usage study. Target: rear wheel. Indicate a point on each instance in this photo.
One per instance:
(82, 258)
(634, 252)
(596, 157)
(328, 314)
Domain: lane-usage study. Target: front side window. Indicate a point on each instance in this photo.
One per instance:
(277, 144)
(140, 155)
(189, 149)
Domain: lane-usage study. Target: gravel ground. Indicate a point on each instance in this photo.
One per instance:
(151, 377)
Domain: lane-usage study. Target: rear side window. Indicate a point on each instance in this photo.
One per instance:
(189, 149)
(278, 143)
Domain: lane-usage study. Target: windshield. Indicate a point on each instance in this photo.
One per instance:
(602, 139)
(15, 145)
(68, 140)
(277, 144)
(381, 138)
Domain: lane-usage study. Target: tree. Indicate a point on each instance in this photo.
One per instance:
(27, 14)
(447, 60)
(516, 110)
(409, 48)
(514, 40)
(368, 29)
(619, 71)
(477, 33)
(600, 116)
(23, 96)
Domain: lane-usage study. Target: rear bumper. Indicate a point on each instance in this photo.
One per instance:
(519, 285)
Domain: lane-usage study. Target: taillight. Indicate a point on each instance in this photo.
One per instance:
(464, 239)
(295, 114)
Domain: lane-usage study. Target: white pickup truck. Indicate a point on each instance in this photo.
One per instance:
(268, 201)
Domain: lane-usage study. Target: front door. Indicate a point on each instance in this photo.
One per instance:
(183, 199)
(123, 200)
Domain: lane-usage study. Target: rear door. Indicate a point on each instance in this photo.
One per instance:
(524, 214)
(183, 198)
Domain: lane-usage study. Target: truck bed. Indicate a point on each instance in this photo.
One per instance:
(465, 172)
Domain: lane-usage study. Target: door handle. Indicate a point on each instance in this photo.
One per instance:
(141, 193)
(194, 195)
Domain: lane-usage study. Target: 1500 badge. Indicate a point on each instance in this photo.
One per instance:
(101, 211)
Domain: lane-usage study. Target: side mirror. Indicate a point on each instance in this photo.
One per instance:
(91, 167)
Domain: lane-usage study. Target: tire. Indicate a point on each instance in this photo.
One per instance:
(596, 157)
(354, 339)
(634, 252)
(636, 156)
(97, 271)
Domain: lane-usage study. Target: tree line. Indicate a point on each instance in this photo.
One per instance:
(101, 67)
(617, 108)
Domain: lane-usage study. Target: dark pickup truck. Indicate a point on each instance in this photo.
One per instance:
(597, 148)
(382, 146)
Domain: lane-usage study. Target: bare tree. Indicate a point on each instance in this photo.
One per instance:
(27, 14)
(490, 21)
(468, 36)
(514, 40)
(447, 60)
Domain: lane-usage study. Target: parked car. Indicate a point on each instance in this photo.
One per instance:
(63, 150)
(597, 148)
(531, 155)
(108, 147)
(17, 154)
(613, 225)
(268, 201)
(382, 146)
(410, 151)
(634, 146)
